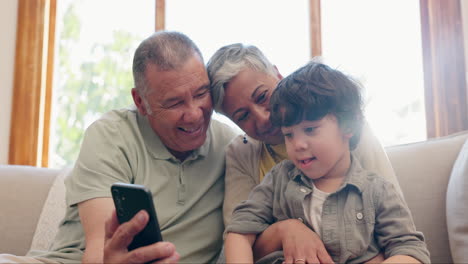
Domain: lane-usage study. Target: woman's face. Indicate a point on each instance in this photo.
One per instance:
(246, 102)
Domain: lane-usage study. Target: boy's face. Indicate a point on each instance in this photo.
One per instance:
(319, 149)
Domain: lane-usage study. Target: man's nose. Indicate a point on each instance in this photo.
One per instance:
(193, 112)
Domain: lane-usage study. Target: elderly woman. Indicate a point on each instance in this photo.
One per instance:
(242, 81)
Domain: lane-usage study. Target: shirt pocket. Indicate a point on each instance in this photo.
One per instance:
(359, 230)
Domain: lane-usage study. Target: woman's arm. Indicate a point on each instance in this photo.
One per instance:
(241, 174)
(373, 157)
(238, 248)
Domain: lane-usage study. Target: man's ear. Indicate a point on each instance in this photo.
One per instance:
(278, 74)
(138, 100)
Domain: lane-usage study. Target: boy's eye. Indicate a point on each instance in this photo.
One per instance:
(287, 135)
(309, 130)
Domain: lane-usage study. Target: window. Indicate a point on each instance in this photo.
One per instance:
(93, 71)
(363, 39)
(93, 64)
(283, 35)
(279, 27)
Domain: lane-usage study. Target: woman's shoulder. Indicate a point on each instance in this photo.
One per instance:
(244, 144)
(244, 155)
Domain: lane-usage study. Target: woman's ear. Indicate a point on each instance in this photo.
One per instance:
(278, 74)
(347, 132)
(348, 135)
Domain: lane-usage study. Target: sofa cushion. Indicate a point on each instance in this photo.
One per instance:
(423, 171)
(457, 208)
(22, 195)
(51, 215)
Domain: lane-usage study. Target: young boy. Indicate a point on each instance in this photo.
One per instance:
(356, 213)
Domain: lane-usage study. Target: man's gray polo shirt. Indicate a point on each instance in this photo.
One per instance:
(122, 147)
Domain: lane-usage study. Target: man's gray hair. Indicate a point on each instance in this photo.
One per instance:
(228, 61)
(168, 50)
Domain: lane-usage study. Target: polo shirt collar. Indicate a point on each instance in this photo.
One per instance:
(158, 150)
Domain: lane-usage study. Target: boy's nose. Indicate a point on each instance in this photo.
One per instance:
(299, 144)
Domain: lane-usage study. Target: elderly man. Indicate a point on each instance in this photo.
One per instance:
(167, 143)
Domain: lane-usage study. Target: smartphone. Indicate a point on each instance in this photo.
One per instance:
(129, 199)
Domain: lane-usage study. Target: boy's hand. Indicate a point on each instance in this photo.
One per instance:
(301, 244)
(298, 242)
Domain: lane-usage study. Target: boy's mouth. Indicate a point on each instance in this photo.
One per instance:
(307, 161)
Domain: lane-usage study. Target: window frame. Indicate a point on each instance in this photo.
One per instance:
(32, 87)
(442, 41)
(445, 86)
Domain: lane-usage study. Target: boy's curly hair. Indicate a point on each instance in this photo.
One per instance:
(312, 92)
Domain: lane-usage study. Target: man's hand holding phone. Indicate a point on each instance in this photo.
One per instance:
(133, 234)
(118, 238)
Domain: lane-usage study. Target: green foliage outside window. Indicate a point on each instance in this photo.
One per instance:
(100, 81)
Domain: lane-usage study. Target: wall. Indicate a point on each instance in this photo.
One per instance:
(464, 11)
(8, 14)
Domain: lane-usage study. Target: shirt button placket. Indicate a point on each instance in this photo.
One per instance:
(181, 191)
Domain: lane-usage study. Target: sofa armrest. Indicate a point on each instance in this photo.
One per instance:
(23, 190)
(423, 171)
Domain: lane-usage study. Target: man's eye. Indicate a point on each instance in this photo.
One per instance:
(176, 104)
(261, 98)
(288, 135)
(202, 94)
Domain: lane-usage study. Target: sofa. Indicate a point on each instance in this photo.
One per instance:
(32, 200)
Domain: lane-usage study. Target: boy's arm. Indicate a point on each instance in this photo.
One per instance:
(395, 231)
(238, 248)
(255, 214)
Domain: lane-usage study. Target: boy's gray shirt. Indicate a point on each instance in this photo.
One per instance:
(365, 216)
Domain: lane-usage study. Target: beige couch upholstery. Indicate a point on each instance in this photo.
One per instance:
(32, 199)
